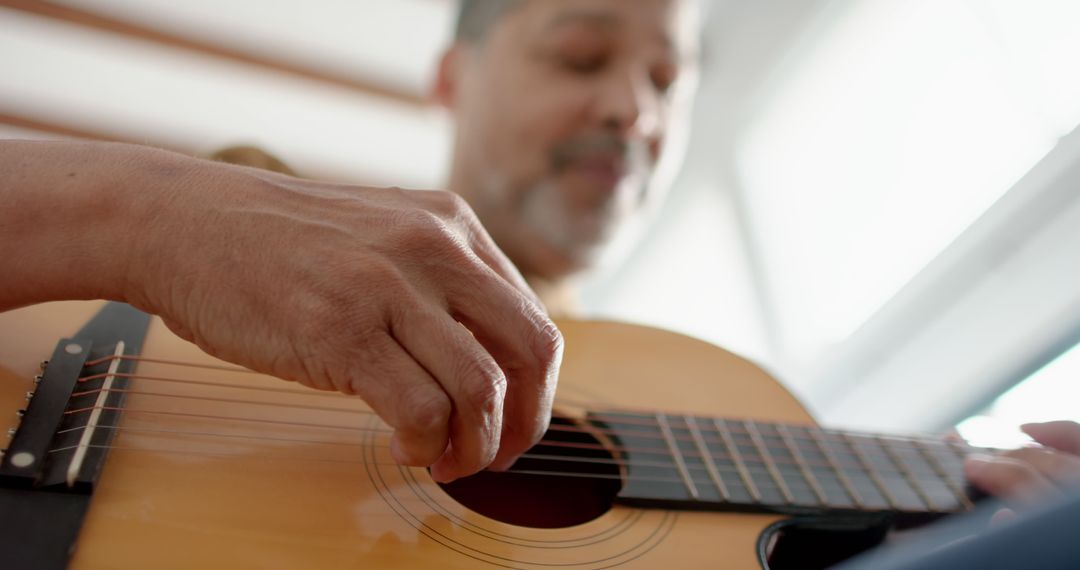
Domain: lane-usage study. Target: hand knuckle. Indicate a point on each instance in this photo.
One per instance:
(425, 233)
(370, 357)
(548, 342)
(429, 411)
(451, 203)
(483, 383)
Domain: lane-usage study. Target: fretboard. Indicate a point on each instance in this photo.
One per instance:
(691, 462)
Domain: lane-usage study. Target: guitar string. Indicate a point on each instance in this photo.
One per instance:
(764, 484)
(731, 472)
(626, 478)
(787, 457)
(608, 417)
(619, 419)
(556, 427)
(790, 453)
(889, 473)
(302, 392)
(362, 462)
(275, 439)
(187, 364)
(715, 457)
(913, 438)
(551, 443)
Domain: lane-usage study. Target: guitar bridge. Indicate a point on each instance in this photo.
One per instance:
(54, 456)
(63, 432)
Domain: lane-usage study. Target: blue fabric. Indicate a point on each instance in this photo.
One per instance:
(1047, 539)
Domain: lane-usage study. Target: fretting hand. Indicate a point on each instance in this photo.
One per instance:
(1033, 474)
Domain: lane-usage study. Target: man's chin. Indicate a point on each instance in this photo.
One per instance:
(564, 260)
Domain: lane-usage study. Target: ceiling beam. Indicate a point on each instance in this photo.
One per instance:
(20, 121)
(93, 20)
(316, 171)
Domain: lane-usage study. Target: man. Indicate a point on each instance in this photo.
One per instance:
(563, 112)
(564, 109)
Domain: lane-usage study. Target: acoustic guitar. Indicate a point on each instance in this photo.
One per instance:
(130, 448)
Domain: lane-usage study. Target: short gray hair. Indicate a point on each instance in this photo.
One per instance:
(476, 17)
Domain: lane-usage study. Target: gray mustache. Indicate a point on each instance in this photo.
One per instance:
(579, 148)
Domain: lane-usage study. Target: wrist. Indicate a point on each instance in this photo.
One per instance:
(157, 196)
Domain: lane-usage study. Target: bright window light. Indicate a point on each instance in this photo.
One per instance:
(1049, 394)
(887, 136)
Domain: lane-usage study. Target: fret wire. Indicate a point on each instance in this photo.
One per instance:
(960, 495)
(908, 474)
(755, 437)
(892, 469)
(729, 443)
(950, 453)
(735, 429)
(960, 451)
(831, 459)
(661, 420)
(869, 469)
(606, 427)
(649, 421)
(699, 441)
(815, 485)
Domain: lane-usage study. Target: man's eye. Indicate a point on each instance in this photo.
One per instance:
(583, 63)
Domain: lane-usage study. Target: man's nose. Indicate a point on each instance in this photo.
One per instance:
(630, 104)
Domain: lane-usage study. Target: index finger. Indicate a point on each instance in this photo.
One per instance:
(1060, 435)
(527, 346)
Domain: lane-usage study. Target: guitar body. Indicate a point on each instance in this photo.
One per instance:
(297, 485)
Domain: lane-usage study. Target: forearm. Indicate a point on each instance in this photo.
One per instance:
(361, 290)
(70, 213)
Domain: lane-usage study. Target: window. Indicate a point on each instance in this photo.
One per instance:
(1049, 394)
(899, 125)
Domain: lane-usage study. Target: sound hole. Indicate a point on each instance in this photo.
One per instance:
(554, 493)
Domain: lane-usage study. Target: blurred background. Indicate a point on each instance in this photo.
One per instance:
(881, 202)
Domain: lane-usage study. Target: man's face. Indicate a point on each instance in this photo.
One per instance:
(562, 112)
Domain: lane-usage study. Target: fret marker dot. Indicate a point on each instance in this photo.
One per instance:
(22, 459)
(73, 349)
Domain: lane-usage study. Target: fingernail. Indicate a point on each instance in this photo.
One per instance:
(502, 465)
(438, 473)
(401, 457)
(977, 463)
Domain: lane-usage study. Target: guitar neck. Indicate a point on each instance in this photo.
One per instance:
(708, 463)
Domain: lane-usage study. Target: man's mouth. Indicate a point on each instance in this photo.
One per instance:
(602, 170)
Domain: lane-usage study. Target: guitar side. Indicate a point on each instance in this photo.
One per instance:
(311, 487)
